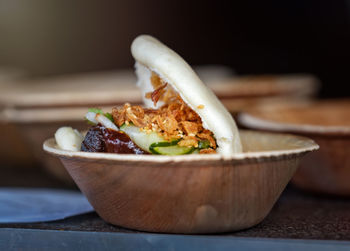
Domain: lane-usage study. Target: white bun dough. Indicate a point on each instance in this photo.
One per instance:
(152, 55)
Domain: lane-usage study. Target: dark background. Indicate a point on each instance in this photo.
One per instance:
(47, 37)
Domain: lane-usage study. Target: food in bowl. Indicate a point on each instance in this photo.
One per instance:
(181, 114)
(143, 186)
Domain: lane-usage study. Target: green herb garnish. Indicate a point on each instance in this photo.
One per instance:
(203, 144)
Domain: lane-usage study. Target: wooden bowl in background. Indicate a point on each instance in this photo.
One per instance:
(189, 193)
(244, 92)
(24, 103)
(33, 126)
(118, 87)
(328, 123)
(13, 151)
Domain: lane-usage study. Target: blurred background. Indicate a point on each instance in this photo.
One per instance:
(58, 57)
(53, 37)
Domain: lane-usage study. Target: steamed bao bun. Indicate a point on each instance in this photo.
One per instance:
(152, 55)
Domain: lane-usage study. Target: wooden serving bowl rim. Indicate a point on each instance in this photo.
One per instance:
(254, 122)
(304, 145)
(250, 120)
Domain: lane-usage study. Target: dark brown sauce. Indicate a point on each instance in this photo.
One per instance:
(102, 139)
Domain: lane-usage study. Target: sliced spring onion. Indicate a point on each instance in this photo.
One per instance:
(96, 118)
(99, 111)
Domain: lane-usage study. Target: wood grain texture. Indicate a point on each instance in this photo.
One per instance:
(187, 194)
(326, 122)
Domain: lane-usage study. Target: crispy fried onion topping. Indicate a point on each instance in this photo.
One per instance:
(174, 120)
(162, 91)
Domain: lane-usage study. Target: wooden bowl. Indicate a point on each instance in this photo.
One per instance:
(13, 153)
(86, 89)
(328, 123)
(244, 92)
(189, 193)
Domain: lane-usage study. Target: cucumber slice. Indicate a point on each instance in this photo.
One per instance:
(152, 142)
(195, 151)
(172, 150)
(142, 139)
(165, 143)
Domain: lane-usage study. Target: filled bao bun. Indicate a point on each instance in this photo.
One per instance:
(166, 82)
(152, 55)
